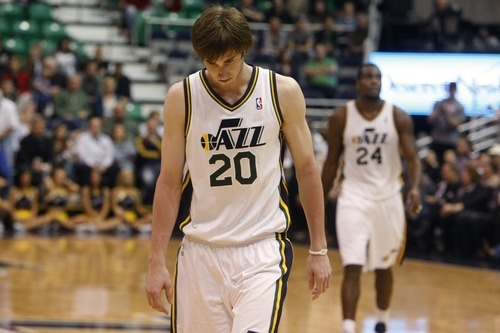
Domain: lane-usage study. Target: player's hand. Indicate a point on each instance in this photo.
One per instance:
(158, 279)
(319, 274)
(413, 202)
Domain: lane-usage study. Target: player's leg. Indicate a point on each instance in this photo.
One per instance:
(199, 291)
(387, 244)
(352, 234)
(259, 285)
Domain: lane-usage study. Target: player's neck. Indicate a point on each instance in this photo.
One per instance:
(369, 107)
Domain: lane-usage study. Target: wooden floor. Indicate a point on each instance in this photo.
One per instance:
(95, 284)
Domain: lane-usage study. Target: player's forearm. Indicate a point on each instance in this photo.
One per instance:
(415, 173)
(312, 202)
(165, 209)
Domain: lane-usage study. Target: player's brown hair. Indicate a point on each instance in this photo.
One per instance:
(220, 30)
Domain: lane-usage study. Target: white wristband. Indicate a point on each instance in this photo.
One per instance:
(318, 253)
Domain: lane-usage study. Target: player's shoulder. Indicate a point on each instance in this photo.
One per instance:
(287, 85)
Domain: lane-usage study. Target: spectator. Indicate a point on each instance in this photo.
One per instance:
(430, 166)
(251, 13)
(36, 151)
(143, 127)
(66, 59)
(110, 99)
(102, 65)
(356, 41)
(23, 200)
(127, 204)
(321, 72)
(488, 172)
(149, 159)
(63, 147)
(273, 39)
(20, 77)
(9, 89)
(124, 148)
(443, 28)
(318, 11)
(120, 117)
(129, 9)
(27, 111)
(9, 121)
(445, 118)
(94, 150)
(300, 41)
(347, 16)
(4, 57)
(34, 62)
(92, 86)
(71, 105)
(485, 41)
(122, 82)
(328, 36)
(466, 220)
(96, 201)
(48, 86)
(285, 65)
(279, 9)
(463, 153)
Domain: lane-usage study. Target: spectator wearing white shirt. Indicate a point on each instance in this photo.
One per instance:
(94, 150)
(9, 121)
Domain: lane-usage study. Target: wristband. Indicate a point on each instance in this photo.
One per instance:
(318, 253)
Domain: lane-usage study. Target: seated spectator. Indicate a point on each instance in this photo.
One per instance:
(347, 16)
(143, 127)
(328, 36)
(62, 146)
(34, 61)
(58, 190)
(71, 105)
(122, 82)
(127, 204)
(484, 41)
(279, 9)
(446, 191)
(36, 151)
(443, 28)
(9, 89)
(92, 86)
(102, 65)
(251, 13)
(23, 200)
(94, 150)
(120, 117)
(300, 41)
(66, 59)
(124, 148)
(20, 77)
(96, 201)
(467, 220)
(318, 11)
(27, 111)
(463, 153)
(488, 173)
(273, 39)
(4, 57)
(356, 41)
(285, 65)
(321, 72)
(9, 121)
(47, 87)
(110, 99)
(430, 166)
(149, 159)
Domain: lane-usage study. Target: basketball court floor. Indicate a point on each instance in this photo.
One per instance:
(89, 284)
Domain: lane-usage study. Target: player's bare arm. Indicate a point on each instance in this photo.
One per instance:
(298, 138)
(167, 197)
(336, 126)
(404, 126)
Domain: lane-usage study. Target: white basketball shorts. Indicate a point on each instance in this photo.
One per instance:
(233, 289)
(371, 233)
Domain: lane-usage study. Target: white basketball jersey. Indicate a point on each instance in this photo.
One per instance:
(233, 159)
(372, 163)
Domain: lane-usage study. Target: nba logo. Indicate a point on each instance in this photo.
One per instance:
(258, 103)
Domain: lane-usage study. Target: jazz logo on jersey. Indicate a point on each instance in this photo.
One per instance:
(369, 136)
(231, 136)
(258, 103)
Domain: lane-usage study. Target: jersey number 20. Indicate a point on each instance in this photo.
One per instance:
(217, 177)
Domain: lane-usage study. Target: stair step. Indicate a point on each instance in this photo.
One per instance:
(85, 15)
(103, 34)
(148, 92)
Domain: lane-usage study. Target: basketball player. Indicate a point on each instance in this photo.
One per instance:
(225, 126)
(370, 133)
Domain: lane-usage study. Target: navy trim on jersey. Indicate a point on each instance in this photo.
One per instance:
(188, 109)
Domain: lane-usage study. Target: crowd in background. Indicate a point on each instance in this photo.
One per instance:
(71, 157)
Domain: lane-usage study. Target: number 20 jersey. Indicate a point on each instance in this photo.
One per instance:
(233, 158)
(372, 162)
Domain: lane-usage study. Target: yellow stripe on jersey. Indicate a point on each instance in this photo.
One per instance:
(281, 283)
(187, 100)
(173, 310)
(185, 184)
(241, 101)
(274, 95)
